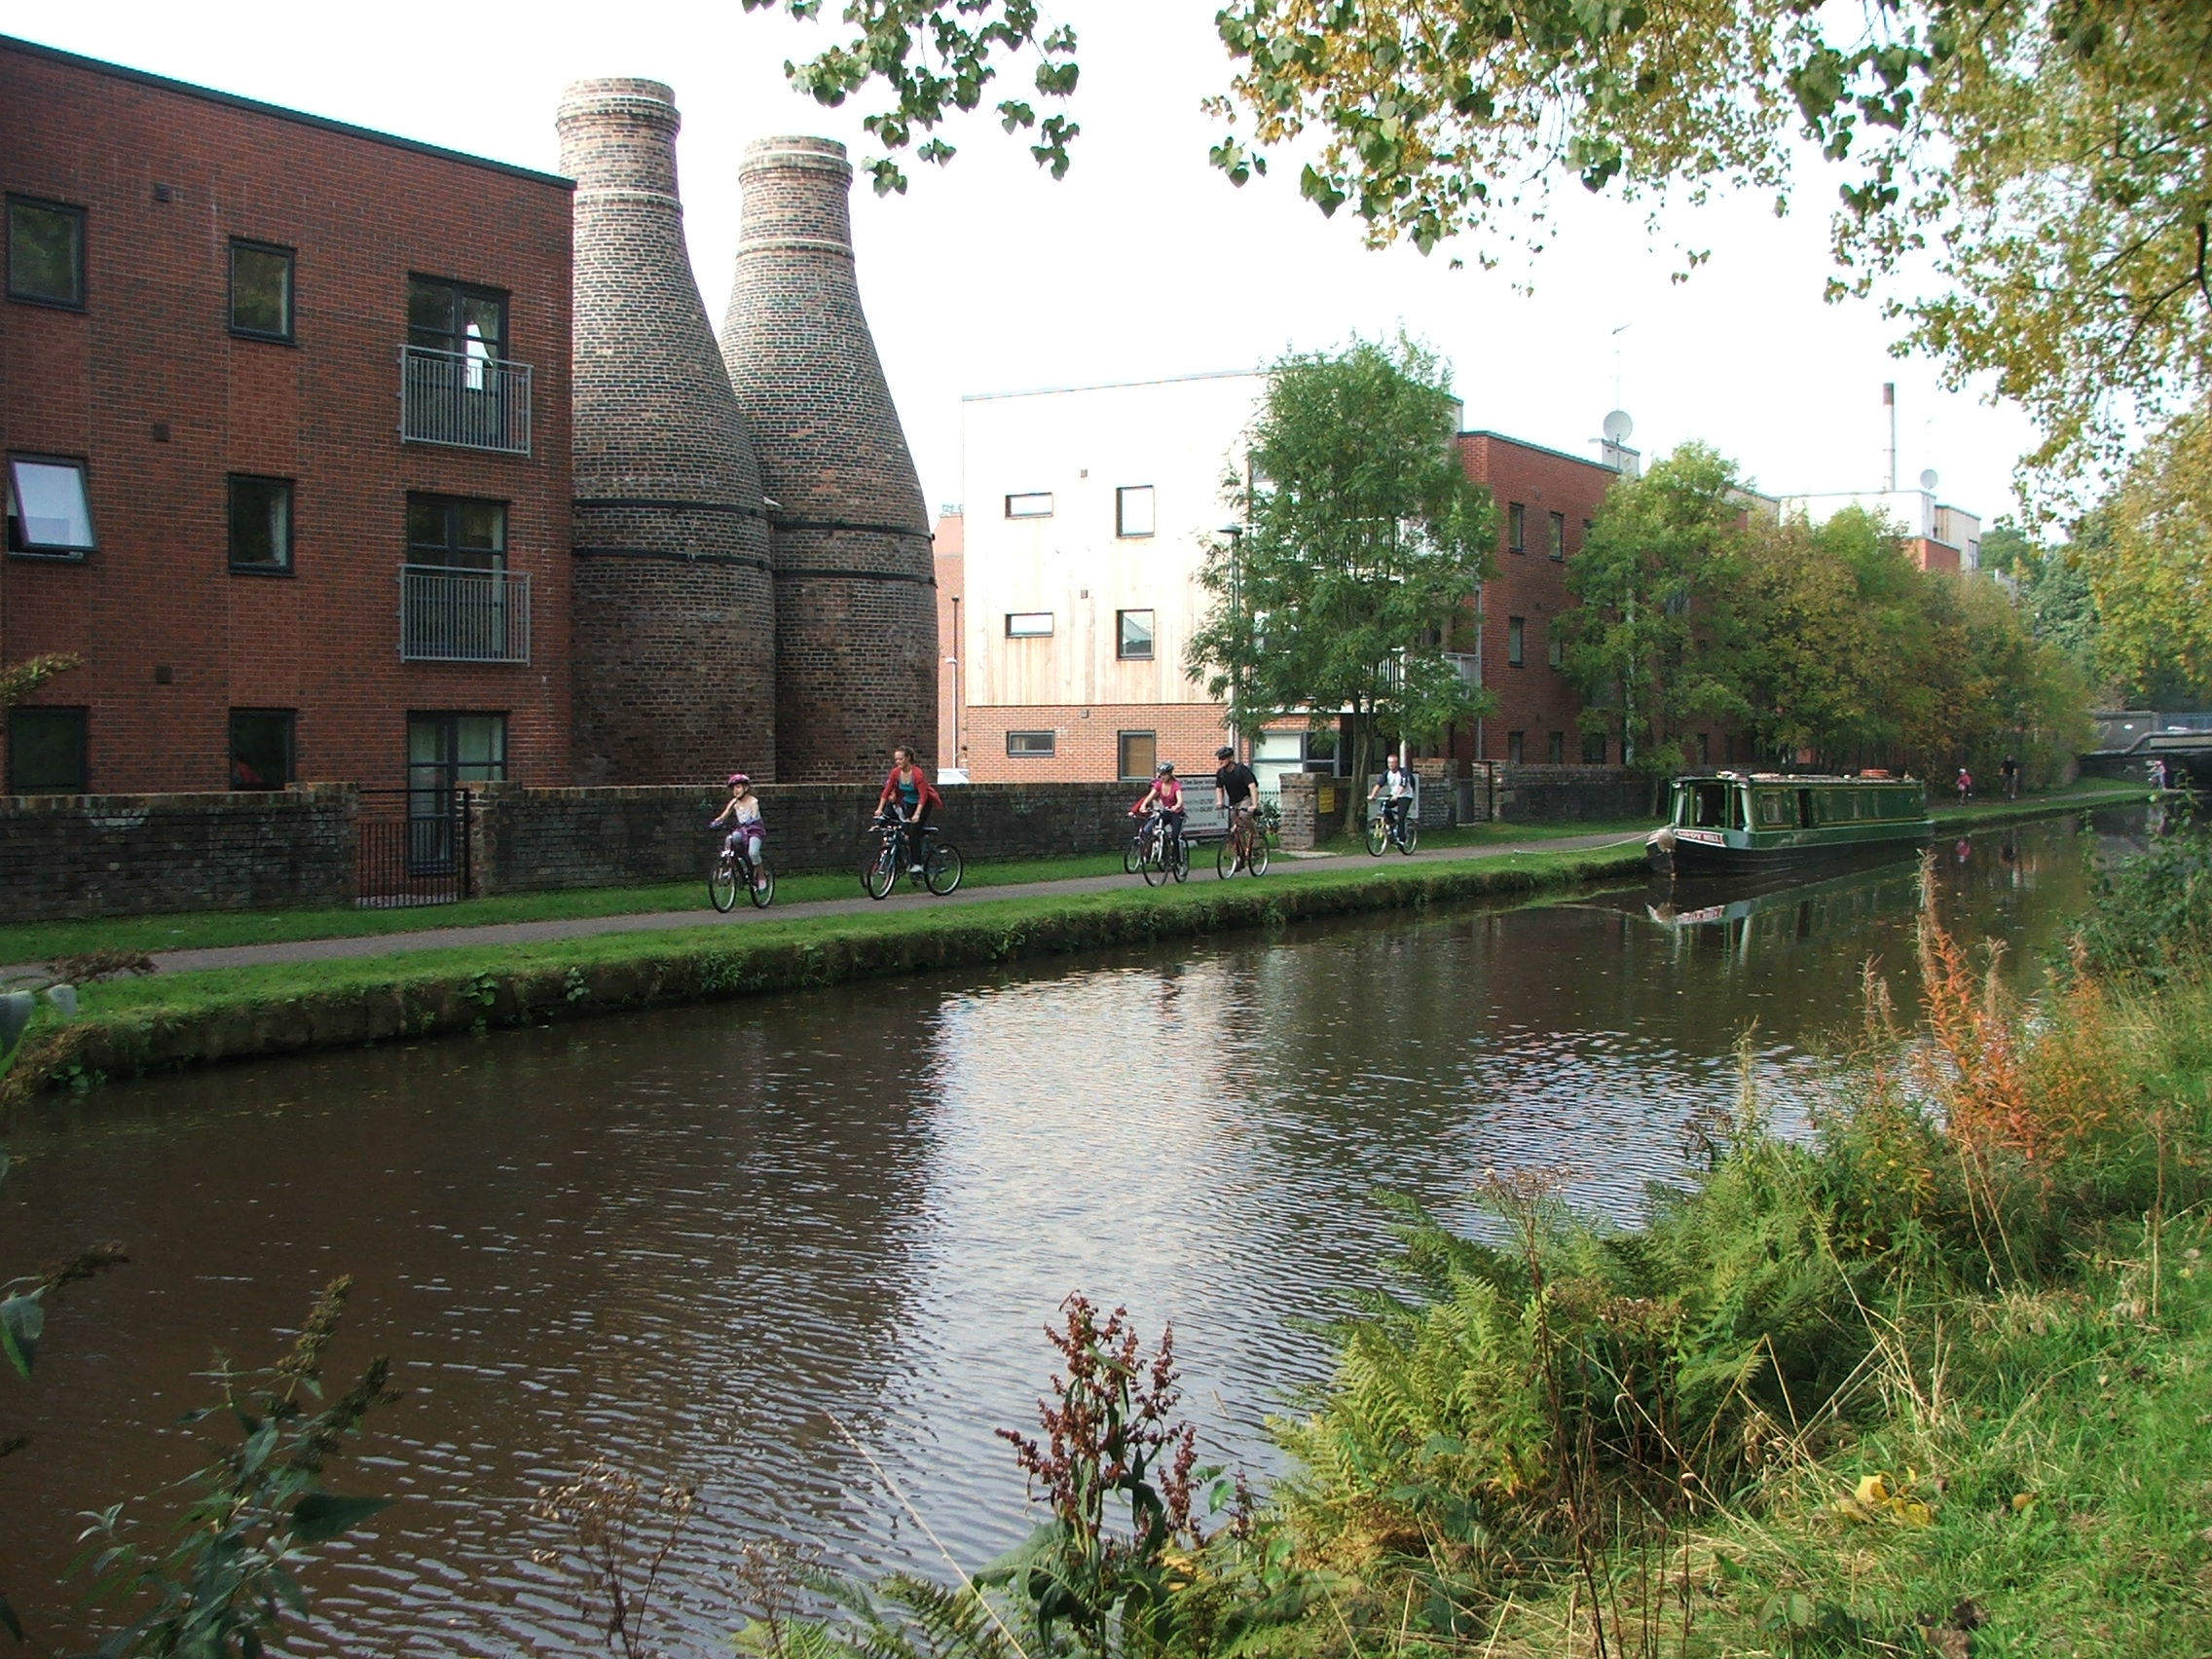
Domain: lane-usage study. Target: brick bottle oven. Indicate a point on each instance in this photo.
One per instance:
(856, 611)
(673, 601)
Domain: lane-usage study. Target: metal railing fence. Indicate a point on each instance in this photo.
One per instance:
(461, 615)
(466, 401)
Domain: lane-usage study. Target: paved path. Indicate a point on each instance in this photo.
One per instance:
(583, 927)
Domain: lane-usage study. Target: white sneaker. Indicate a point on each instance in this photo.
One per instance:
(914, 869)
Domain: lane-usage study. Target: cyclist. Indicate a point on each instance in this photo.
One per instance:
(909, 794)
(1396, 787)
(1236, 788)
(748, 835)
(1166, 795)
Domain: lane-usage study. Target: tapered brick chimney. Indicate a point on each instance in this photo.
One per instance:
(674, 607)
(855, 610)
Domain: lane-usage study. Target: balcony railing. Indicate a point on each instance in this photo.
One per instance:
(1469, 665)
(449, 615)
(467, 401)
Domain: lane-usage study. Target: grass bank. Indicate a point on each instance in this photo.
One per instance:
(128, 1026)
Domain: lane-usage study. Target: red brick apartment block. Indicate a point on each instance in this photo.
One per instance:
(1546, 500)
(286, 407)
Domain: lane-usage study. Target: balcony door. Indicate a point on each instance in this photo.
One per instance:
(445, 749)
(460, 388)
(454, 604)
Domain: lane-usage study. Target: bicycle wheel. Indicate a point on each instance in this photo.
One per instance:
(1256, 861)
(763, 888)
(1133, 855)
(721, 884)
(943, 870)
(881, 872)
(1225, 855)
(1378, 836)
(1153, 866)
(1409, 837)
(1181, 858)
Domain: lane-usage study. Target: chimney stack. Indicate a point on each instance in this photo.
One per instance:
(856, 607)
(674, 608)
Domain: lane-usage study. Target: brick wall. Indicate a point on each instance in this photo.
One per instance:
(542, 841)
(1086, 739)
(1566, 794)
(82, 856)
(150, 388)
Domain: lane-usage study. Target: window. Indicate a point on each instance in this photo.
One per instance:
(1516, 638)
(261, 525)
(47, 509)
(1514, 745)
(445, 750)
(1559, 535)
(1139, 754)
(1036, 504)
(261, 749)
(1132, 510)
(1555, 749)
(1594, 749)
(456, 532)
(46, 254)
(1555, 651)
(1703, 748)
(451, 317)
(1028, 624)
(261, 290)
(1032, 745)
(1133, 631)
(46, 752)
(1516, 527)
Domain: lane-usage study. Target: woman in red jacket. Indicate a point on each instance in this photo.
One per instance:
(910, 792)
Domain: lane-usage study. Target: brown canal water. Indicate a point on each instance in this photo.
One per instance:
(693, 1243)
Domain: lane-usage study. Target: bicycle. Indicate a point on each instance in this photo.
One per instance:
(1244, 848)
(941, 866)
(732, 871)
(1163, 853)
(1386, 829)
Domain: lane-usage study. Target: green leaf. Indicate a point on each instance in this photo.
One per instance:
(321, 1516)
(21, 1319)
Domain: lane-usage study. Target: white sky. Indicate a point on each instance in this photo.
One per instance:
(1144, 261)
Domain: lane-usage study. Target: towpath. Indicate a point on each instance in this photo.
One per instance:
(582, 927)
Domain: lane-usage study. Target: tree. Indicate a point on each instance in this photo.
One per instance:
(2052, 154)
(1650, 642)
(20, 679)
(1363, 541)
(2149, 562)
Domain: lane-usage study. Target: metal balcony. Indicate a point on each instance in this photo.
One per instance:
(450, 616)
(463, 401)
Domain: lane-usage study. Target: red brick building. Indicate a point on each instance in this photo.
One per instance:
(1546, 500)
(286, 412)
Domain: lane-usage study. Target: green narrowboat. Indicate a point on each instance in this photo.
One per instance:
(1722, 823)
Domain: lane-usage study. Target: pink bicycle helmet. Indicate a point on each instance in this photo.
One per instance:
(737, 778)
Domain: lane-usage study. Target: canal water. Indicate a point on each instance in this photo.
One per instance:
(713, 1243)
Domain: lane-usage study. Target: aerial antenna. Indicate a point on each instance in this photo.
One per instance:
(1890, 402)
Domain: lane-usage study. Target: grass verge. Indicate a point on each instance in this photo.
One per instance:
(128, 1026)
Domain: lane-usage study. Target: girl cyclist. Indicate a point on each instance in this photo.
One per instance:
(909, 789)
(748, 835)
(1166, 795)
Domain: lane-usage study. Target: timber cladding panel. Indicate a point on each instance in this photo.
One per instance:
(530, 840)
(70, 857)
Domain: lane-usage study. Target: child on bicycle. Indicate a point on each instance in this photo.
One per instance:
(748, 835)
(1396, 787)
(1167, 796)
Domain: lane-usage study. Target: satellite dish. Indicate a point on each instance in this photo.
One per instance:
(1618, 427)
(1929, 480)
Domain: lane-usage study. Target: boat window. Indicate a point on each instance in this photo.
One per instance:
(1804, 809)
(1709, 806)
(1739, 804)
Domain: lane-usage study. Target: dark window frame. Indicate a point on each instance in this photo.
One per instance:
(83, 263)
(1044, 633)
(455, 340)
(1516, 642)
(1121, 651)
(1516, 527)
(291, 717)
(83, 715)
(51, 555)
(1045, 495)
(1050, 749)
(291, 256)
(1122, 530)
(1121, 754)
(1516, 748)
(290, 564)
(1559, 538)
(451, 546)
(1599, 741)
(1555, 749)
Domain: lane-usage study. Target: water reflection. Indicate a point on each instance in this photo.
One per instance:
(689, 1240)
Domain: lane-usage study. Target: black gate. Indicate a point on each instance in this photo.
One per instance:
(412, 848)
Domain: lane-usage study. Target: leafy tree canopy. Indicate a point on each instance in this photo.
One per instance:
(2052, 158)
(1363, 543)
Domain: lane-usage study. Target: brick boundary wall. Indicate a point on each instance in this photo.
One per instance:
(537, 840)
(1566, 794)
(71, 857)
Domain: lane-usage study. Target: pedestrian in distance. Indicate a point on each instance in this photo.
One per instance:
(2010, 772)
(1966, 786)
